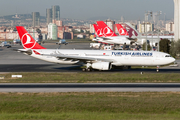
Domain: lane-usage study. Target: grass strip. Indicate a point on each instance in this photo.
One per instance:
(91, 78)
(87, 106)
(88, 116)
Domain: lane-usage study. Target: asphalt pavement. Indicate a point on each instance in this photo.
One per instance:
(13, 61)
(89, 87)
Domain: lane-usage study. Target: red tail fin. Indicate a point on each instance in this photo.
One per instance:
(98, 31)
(105, 30)
(121, 30)
(27, 40)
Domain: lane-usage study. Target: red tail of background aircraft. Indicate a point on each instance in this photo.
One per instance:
(103, 30)
(121, 30)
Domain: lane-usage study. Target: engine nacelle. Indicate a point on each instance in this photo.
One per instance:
(102, 65)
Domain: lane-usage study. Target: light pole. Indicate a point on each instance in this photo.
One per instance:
(145, 25)
(5, 33)
(158, 14)
(151, 14)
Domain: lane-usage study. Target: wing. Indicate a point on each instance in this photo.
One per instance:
(76, 58)
(106, 38)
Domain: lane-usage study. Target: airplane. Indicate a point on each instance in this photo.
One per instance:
(5, 44)
(106, 35)
(62, 41)
(106, 29)
(121, 30)
(16, 41)
(133, 33)
(103, 30)
(92, 59)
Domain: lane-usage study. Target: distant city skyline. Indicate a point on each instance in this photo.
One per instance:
(80, 9)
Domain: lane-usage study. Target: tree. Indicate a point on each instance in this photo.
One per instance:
(75, 31)
(175, 48)
(177, 45)
(164, 45)
(148, 47)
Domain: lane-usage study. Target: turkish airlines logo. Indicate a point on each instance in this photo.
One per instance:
(106, 32)
(27, 41)
(121, 31)
(99, 32)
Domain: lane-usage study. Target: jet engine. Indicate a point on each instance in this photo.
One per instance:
(101, 65)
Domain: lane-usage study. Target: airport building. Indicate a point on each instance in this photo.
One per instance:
(35, 19)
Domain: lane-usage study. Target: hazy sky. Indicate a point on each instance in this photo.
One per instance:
(85, 9)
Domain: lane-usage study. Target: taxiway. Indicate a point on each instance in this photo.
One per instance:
(89, 87)
(13, 61)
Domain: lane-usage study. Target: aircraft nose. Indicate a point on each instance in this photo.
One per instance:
(173, 59)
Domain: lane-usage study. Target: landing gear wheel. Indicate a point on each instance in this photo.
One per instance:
(157, 69)
(88, 70)
(84, 69)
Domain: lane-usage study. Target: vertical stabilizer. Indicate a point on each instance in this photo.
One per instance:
(27, 40)
(104, 30)
(98, 31)
(121, 30)
(131, 30)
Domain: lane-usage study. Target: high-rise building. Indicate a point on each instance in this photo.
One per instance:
(92, 28)
(146, 27)
(110, 24)
(122, 19)
(52, 31)
(55, 13)
(177, 20)
(170, 27)
(48, 16)
(35, 19)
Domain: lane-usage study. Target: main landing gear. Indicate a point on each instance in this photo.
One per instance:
(157, 70)
(87, 69)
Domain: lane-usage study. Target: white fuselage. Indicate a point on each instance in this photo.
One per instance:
(119, 58)
(113, 40)
(123, 39)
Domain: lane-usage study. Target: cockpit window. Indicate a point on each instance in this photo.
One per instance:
(167, 56)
